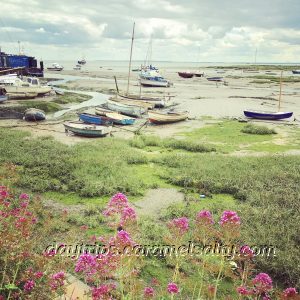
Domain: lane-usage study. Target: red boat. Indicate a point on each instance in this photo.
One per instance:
(186, 74)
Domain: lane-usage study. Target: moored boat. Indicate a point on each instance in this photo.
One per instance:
(130, 110)
(87, 130)
(34, 114)
(166, 117)
(115, 117)
(265, 115)
(153, 78)
(296, 71)
(94, 119)
(186, 74)
(217, 79)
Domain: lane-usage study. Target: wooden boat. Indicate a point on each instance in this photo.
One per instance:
(34, 114)
(264, 115)
(296, 71)
(87, 130)
(143, 104)
(115, 117)
(94, 119)
(186, 74)
(3, 95)
(21, 95)
(129, 110)
(167, 117)
(217, 79)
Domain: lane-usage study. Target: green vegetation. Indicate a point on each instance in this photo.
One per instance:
(46, 106)
(255, 129)
(71, 98)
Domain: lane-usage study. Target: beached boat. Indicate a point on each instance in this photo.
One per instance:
(130, 110)
(217, 79)
(55, 67)
(145, 104)
(166, 117)
(34, 114)
(198, 74)
(296, 71)
(87, 130)
(58, 91)
(94, 119)
(21, 96)
(152, 78)
(3, 95)
(115, 117)
(266, 115)
(186, 74)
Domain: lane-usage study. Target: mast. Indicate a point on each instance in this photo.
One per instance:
(130, 59)
(279, 102)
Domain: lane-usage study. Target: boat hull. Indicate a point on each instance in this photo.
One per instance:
(116, 118)
(267, 115)
(3, 98)
(217, 79)
(135, 111)
(160, 118)
(87, 130)
(186, 74)
(40, 90)
(33, 115)
(155, 101)
(154, 83)
(94, 119)
(296, 71)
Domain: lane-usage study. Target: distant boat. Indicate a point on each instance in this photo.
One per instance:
(94, 119)
(3, 95)
(186, 74)
(296, 71)
(34, 114)
(198, 74)
(81, 62)
(115, 117)
(266, 115)
(152, 78)
(55, 67)
(217, 79)
(168, 117)
(87, 130)
(130, 110)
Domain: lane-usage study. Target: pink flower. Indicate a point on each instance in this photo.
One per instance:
(123, 238)
(290, 293)
(86, 263)
(246, 251)
(24, 196)
(262, 282)
(204, 216)
(173, 288)
(102, 292)
(128, 214)
(242, 290)
(148, 292)
(230, 217)
(38, 274)
(29, 285)
(57, 280)
(119, 201)
(84, 227)
(3, 192)
(181, 224)
(24, 204)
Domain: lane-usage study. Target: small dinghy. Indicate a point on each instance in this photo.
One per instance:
(216, 79)
(115, 117)
(265, 115)
(87, 130)
(130, 110)
(34, 114)
(94, 119)
(166, 117)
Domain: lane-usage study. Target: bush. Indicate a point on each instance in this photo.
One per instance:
(255, 129)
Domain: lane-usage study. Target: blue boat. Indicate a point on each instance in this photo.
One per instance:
(264, 115)
(93, 119)
(116, 118)
(218, 79)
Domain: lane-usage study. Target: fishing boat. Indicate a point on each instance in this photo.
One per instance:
(21, 96)
(166, 117)
(296, 71)
(153, 78)
(217, 79)
(3, 94)
(130, 110)
(87, 130)
(94, 119)
(267, 115)
(34, 114)
(55, 67)
(186, 74)
(115, 117)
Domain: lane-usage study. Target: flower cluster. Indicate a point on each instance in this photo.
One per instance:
(180, 225)
(57, 280)
(262, 283)
(230, 217)
(204, 217)
(173, 288)
(148, 292)
(290, 293)
(103, 292)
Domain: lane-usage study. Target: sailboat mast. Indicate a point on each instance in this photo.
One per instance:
(130, 59)
(280, 91)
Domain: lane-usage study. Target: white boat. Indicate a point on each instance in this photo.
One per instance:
(166, 117)
(87, 130)
(153, 78)
(129, 110)
(32, 85)
(55, 67)
(8, 79)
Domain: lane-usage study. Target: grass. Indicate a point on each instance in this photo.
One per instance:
(71, 98)
(255, 129)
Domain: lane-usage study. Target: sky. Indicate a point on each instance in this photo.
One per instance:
(190, 30)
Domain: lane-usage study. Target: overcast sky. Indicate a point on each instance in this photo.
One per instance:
(186, 30)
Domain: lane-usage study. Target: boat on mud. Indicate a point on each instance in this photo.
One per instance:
(94, 119)
(115, 117)
(166, 117)
(129, 110)
(267, 115)
(87, 130)
(186, 74)
(34, 114)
